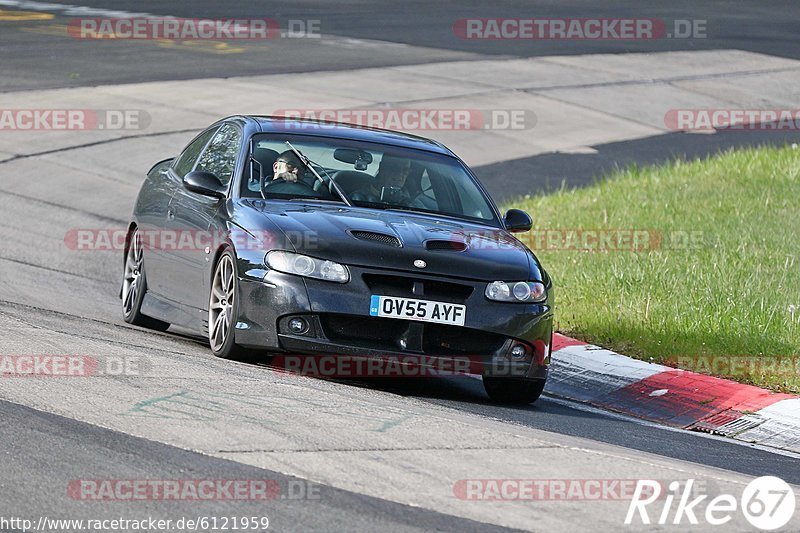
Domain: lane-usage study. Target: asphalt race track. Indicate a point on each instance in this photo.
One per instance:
(730, 24)
(348, 455)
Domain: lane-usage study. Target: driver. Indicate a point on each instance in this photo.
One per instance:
(389, 182)
(287, 167)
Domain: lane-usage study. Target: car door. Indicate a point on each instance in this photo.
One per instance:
(158, 255)
(193, 218)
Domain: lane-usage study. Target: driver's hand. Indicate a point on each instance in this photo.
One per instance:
(289, 177)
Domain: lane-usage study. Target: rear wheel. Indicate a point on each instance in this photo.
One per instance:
(223, 306)
(134, 286)
(514, 391)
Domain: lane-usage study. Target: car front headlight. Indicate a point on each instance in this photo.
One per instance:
(310, 267)
(516, 291)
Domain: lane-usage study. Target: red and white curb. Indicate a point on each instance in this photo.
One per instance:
(593, 375)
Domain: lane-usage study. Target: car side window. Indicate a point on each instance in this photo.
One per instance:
(220, 156)
(188, 157)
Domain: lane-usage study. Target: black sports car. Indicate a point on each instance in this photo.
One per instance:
(294, 236)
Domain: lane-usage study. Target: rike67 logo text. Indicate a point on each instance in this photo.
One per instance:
(767, 503)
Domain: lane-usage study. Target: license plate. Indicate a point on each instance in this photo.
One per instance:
(422, 310)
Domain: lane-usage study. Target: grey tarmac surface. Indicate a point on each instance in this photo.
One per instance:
(359, 32)
(462, 393)
(551, 171)
(248, 412)
(33, 438)
(358, 35)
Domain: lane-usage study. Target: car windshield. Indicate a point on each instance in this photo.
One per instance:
(370, 174)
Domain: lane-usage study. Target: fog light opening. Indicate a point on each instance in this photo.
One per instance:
(519, 352)
(298, 326)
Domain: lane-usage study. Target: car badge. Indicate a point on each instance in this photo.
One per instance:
(419, 263)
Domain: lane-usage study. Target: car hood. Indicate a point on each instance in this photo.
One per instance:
(345, 234)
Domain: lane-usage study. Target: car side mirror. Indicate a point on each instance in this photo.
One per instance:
(517, 220)
(205, 183)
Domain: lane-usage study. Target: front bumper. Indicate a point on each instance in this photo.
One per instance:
(339, 323)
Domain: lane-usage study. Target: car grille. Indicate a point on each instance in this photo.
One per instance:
(392, 285)
(382, 238)
(385, 334)
(439, 339)
(357, 328)
(447, 246)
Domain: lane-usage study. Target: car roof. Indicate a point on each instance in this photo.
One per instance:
(339, 130)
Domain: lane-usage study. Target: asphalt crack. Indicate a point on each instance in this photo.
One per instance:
(104, 218)
(18, 157)
(395, 449)
(55, 270)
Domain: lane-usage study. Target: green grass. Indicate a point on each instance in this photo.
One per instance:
(733, 292)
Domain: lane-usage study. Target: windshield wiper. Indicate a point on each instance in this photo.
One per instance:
(394, 207)
(309, 163)
(385, 206)
(411, 209)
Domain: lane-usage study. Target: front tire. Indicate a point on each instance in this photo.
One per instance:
(223, 308)
(513, 391)
(134, 286)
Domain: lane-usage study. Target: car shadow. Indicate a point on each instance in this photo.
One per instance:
(461, 388)
(548, 172)
(458, 388)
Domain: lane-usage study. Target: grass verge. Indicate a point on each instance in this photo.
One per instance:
(691, 264)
